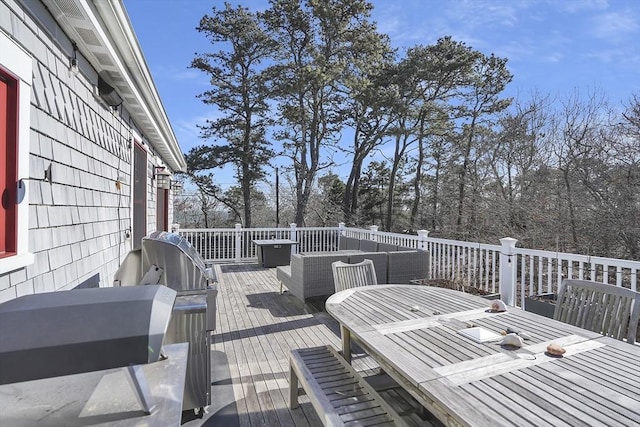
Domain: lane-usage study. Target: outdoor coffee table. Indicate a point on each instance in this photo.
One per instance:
(274, 252)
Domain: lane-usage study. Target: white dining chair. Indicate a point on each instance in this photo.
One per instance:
(607, 309)
(347, 276)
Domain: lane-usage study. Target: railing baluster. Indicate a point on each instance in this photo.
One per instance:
(549, 274)
(448, 259)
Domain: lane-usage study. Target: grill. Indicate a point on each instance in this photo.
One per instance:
(170, 260)
(62, 333)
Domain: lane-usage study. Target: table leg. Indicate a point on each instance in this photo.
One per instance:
(346, 343)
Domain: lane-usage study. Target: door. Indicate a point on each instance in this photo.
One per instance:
(139, 195)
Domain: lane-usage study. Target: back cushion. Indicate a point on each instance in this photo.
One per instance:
(352, 243)
(367, 245)
(387, 247)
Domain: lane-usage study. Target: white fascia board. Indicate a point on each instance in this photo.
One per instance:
(115, 19)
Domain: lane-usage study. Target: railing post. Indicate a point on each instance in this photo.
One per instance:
(238, 256)
(508, 271)
(342, 228)
(293, 236)
(373, 235)
(423, 245)
(423, 236)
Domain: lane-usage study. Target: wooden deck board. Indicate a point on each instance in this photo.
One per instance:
(256, 329)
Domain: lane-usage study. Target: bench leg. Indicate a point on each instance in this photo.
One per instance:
(293, 388)
(346, 343)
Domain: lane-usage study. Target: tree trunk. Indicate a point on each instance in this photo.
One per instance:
(418, 178)
(572, 214)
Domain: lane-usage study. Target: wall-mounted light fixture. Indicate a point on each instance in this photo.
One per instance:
(73, 66)
(108, 93)
(176, 187)
(162, 177)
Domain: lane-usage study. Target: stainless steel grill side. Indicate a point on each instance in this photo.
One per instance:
(170, 260)
(68, 332)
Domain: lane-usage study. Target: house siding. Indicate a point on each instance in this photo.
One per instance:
(77, 223)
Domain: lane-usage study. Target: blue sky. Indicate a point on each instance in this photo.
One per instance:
(553, 46)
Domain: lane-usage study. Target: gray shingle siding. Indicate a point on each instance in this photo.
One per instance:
(76, 223)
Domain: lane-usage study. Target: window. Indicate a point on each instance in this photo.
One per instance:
(15, 97)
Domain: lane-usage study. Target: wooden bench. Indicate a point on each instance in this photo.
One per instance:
(338, 393)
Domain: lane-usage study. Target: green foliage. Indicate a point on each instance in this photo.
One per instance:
(460, 159)
(240, 89)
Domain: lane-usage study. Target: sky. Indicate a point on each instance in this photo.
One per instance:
(554, 47)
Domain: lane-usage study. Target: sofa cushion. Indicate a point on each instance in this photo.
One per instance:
(404, 266)
(379, 263)
(348, 243)
(283, 273)
(387, 247)
(311, 274)
(367, 245)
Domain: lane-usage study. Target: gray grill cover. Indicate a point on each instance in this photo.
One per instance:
(69, 332)
(184, 268)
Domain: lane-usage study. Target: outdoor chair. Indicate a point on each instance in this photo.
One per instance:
(607, 309)
(347, 276)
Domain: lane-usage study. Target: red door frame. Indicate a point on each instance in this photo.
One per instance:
(9, 92)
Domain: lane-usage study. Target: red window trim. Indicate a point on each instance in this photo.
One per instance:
(9, 116)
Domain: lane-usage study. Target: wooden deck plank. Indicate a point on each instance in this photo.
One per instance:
(255, 357)
(256, 329)
(246, 401)
(271, 342)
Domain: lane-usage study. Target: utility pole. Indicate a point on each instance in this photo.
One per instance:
(277, 199)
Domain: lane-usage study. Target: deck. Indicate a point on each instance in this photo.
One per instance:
(256, 329)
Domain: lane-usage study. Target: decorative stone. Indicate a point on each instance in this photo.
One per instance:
(524, 335)
(512, 340)
(555, 349)
(498, 306)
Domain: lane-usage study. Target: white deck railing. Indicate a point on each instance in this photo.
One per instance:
(514, 272)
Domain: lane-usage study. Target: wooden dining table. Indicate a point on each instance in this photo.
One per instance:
(414, 333)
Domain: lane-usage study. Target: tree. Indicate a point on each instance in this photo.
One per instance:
(574, 132)
(240, 90)
(326, 202)
(426, 81)
(519, 152)
(366, 109)
(318, 39)
(478, 108)
(373, 193)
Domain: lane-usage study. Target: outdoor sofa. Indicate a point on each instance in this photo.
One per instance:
(310, 275)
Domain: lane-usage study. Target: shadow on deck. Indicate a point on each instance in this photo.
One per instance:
(256, 329)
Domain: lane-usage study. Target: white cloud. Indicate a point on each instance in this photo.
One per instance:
(576, 6)
(189, 74)
(616, 25)
(554, 57)
(188, 132)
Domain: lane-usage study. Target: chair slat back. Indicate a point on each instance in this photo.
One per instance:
(599, 307)
(347, 276)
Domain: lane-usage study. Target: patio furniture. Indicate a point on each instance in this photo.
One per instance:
(337, 392)
(347, 276)
(274, 252)
(414, 333)
(599, 307)
(310, 274)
